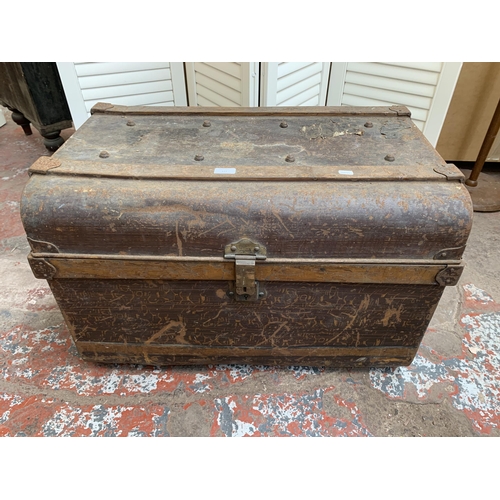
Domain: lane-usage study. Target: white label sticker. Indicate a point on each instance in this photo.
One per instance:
(225, 171)
(346, 172)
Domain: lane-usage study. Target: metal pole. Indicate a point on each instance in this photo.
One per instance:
(485, 148)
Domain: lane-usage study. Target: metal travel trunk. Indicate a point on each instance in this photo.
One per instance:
(316, 236)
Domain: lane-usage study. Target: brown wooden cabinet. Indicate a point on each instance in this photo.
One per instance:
(34, 94)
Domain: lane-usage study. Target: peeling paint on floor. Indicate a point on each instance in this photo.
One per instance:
(471, 380)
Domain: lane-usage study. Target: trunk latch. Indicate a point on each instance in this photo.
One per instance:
(245, 253)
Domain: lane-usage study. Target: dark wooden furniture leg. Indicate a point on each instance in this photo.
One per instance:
(35, 95)
(53, 141)
(20, 119)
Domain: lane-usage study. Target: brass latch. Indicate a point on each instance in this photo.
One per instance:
(245, 254)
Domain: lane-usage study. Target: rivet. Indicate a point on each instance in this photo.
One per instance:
(103, 154)
(389, 158)
(230, 293)
(256, 249)
(283, 124)
(290, 159)
(261, 294)
(443, 254)
(206, 123)
(233, 247)
(368, 124)
(199, 158)
(130, 123)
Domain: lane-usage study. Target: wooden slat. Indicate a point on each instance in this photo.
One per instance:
(203, 101)
(216, 75)
(138, 100)
(218, 87)
(310, 102)
(352, 100)
(299, 76)
(231, 68)
(383, 82)
(388, 96)
(161, 103)
(286, 68)
(214, 96)
(425, 66)
(103, 93)
(154, 75)
(93, 349)
(306, 95)
(298, 88)
(400, 73)
(103, 267)
(105, 68)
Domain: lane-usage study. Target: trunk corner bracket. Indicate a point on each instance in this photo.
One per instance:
(42, 246)
(41, 268)
(245, 253)
(451, 172)
(449, 253)
(449, 276)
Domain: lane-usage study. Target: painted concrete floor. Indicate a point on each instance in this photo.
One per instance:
(451, 389)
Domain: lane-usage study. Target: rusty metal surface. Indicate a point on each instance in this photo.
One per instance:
(201, 313)
(411, 220)
(360, 241)
(42, 246)
(43, 164)
(181, 140)
(450, 172)
(449, 276)
(154, 171)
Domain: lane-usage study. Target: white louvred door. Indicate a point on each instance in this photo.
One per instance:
(122, 83)
(222, 83)
(294, 83)
(425, 88)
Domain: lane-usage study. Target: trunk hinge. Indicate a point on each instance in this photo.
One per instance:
(245, 253)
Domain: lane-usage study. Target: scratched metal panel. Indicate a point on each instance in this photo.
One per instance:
(135, 216)
(238, 141)
(410, 220)
(158, 312)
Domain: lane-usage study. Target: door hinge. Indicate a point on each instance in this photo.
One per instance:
(245, 253)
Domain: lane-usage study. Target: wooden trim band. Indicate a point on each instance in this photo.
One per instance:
(106, 108)
(60, 266)
(278, 173)
(197, 355)
(193, 350)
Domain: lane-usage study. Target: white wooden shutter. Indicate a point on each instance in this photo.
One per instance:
(294, 83)
(222, 83)
(144, 83)
(425, 88)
